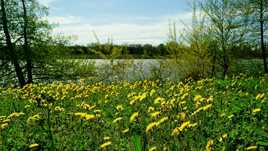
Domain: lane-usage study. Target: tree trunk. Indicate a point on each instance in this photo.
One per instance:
(12, 53)
(213, 71)
(262, 36)
(225, 66)
(225, 55)
(27, 50)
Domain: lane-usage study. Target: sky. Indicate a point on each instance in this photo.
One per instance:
(123, 21)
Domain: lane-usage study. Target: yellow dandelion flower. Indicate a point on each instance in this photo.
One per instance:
(182, 103)
(117, 119)
(89, 117)
(34, 120)
(223, 137)
(4, 126)
(197, 98)
(151, 126)
(104, 145)
(256, 110)
(2, 118)
(178, 130)
(162, 120)
(204, 108)
(158, 100)
(133, 117)
(197, 111)
(184, 96)
(131, 94)
(184, 125)
(97, 111)
(125, 131)
(143, 96)
(15, 115)
(251, 148)
(207, 107)
(210, 99)
(175, 132)
(181, 116)
(33, 146)
(106, 138)
(155, 114)
(230, 116)
(259, 97)
(119, 108)
(59, 109)
(150, 109)
(153, 148)
(7, 121)
(79, 114)
(132, 101)
(85, 116)
(153, 91)
(27, 106)
(87, 106)
(209, 146)
(193, 125)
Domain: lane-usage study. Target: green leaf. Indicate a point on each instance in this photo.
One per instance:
(136, 140)
(262, 143)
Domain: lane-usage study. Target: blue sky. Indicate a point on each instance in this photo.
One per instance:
(125, 21)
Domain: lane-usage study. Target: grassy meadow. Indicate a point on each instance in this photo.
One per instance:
(209, 114)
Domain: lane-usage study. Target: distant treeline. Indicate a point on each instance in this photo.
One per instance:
(136, 51)
(146, 51)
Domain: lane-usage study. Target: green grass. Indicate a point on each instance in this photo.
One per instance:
(209, 114)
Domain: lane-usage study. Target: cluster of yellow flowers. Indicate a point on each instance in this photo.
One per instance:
(209, 146)
(137, 98)
(85, 116)
(155, 124)
(178, 130)
(34, 120)
(59, 109)
(5, 121)
(203, 108)
(260, 96)
(86, 106)
(151, 107)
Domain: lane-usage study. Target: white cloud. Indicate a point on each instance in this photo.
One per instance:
(154, 32)
(46, 2)
(67, 20)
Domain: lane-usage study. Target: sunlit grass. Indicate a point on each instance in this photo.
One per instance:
(207, 114)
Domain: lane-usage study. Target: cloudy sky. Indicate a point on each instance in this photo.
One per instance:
(125, 21)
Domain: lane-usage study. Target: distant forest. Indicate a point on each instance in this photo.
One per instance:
(146, 51)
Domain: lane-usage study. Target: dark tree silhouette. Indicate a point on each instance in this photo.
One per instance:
(11, 53)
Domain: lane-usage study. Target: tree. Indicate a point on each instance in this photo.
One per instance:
(28, 42)
(27, 50)
(225, 23)
(255, 13)
(148, 50)
(11, 50)
(262, 10)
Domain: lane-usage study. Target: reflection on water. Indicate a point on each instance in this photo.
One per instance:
(134, 69)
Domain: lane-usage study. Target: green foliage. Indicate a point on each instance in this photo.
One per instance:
(209, 114)
(136, 139)
(194, 60)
